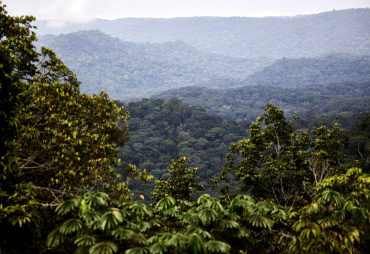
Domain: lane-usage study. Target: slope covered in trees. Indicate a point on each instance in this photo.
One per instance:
(164, 129)
(302, 200)
(334, 68)
(247, 103)
(277, 37)
(129, 70)
(59, 148)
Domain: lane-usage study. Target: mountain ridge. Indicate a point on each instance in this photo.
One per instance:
(274, 37)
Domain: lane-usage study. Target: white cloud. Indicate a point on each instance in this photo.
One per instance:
(78, 11)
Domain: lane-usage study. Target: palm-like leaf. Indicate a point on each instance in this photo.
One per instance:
(262, 208)
(339, 215)
(216, 247)
(55, 238)
(241, 206)
(137, 250)
(165, 203)
(140, 239)
(140, 209)
(195, 244)
(94, 225)
(189, 218)
(96, 199)
(123, 233)
(359, 214)
(353, 200)
(278, 215)
(143, 225)
(67, 206)
(130, 224)
(328, 222)
(85, 240)
(333, 197)
(125, 212)
(228, 224)
(104, 248)
(70, 226)
(260, 221)
(191, 229)
(172, 212)
(111, 219)
(207, 216)
(177, 242)
(202, 199)
(89, 215)
(165, 237)
(214, 204)
(158, 248)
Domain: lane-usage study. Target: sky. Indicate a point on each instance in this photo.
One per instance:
(79, 11)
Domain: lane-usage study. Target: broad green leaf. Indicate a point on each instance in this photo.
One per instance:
(85, 240)
(260, 221)
(158, 248)
(195, 244)
(207, 216)
(111, 219)
(216, 247)
(55, 238)
(103, 248)
(67, 206)
(123, 233)
(138, 250)
(70, 226)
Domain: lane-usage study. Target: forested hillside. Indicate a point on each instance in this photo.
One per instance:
(128, 70)
(164, 129)
(72, 182)
(274, 37)
(248, 102)
(333, 68)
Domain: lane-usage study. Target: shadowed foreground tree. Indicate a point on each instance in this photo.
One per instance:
(56, 143)
(276, 163)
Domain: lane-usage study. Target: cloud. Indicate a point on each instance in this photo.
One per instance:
(66, 10)
(80, 11)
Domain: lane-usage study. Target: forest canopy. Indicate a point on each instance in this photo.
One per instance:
(63, 189)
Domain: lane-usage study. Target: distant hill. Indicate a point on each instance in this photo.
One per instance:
(129, 71)
(333, 68)
(344, 31)
(248, 102)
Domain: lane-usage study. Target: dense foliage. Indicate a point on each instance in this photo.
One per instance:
(247, 103)
(320, 206)
(128, 70)
(56, 143)
(161, 130)
(60, 148)
(327, 69)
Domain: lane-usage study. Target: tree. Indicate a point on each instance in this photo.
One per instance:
(18, 203)
(181, 185)
(98, 224)
(270, 165)
(56, 142)
(276, 163)
(69, 140)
